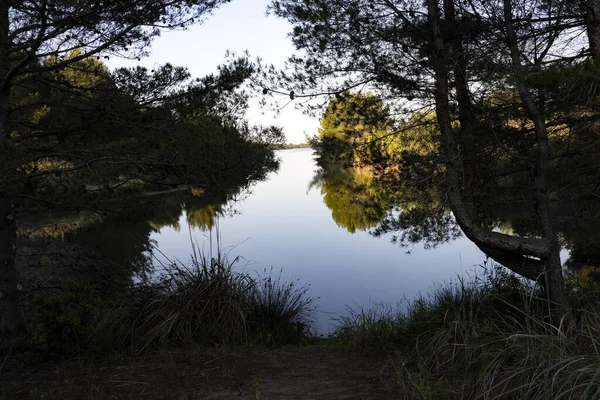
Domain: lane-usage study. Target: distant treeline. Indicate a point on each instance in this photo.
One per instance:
(286, 146)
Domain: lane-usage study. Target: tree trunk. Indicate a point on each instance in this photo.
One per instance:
(4, 72)
(11, 311)
(553, 278)
(591, 9)
(466, 115)
(554, 285)
(533, 258)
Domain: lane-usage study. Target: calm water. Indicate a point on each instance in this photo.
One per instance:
(283, 224)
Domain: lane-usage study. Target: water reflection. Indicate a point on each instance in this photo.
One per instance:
(384, 204)
(284, 225)
(358, 201)
(347, 193)
(324, 235)
(108, 246)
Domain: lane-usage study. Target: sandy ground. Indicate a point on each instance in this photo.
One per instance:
(312, 372)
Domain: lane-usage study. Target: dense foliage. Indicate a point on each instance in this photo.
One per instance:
(506, 87)
(82, 133)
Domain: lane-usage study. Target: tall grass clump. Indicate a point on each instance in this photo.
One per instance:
(279, 310)
(490, 338)
(378, 326)
(211, 301)
(200, 303)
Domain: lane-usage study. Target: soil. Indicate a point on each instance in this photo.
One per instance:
(307, 372)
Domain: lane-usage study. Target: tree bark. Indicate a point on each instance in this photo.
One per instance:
(553, 278)
(466, 114)
(4, 70)
(11, 311)
(591, 10)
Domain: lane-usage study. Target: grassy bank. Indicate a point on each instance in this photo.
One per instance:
(485, 338)
(210, 302)
(488, 338)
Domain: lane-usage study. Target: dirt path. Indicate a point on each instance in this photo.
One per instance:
(295, 373)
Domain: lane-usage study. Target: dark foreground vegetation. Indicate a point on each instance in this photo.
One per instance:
(476, 109)
(487, 337)
(207, 303)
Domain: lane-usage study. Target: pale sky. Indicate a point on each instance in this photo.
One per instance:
(237, 26)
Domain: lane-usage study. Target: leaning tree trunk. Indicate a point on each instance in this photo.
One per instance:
(533, 258)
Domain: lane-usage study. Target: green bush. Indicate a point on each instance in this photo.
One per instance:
(61, 325)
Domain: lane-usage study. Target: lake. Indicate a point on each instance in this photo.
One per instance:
(286, 225)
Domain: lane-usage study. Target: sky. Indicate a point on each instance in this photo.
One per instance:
(237, 26)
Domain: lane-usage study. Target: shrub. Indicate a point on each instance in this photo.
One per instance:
(61, 325)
